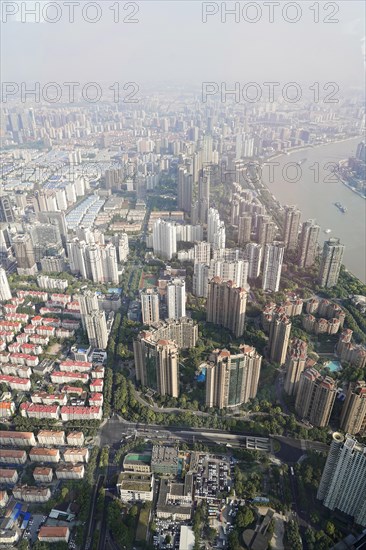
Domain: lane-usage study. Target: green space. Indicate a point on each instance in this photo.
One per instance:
(143, 523)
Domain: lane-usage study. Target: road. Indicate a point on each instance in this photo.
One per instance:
(117, 428)
(91, 525)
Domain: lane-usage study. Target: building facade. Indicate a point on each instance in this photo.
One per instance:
(232, 379)
(343, 483)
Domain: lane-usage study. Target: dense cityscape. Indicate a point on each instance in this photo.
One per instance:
(182, 275)
(183, 360)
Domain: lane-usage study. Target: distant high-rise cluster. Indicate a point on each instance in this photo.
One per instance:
(93, 261)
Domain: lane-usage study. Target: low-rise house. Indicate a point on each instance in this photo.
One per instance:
(18, 439)
(15, 383)
(13, 456)
(54, 534)
(31, 494)
(43, 474)
(76, 455)
(75, 439)
(8, 476)
(81, 413)
(7, 409)
(4, 497)
(44, 455)
(68, 377)
(32, 410)
(51, 437)
(70, 471)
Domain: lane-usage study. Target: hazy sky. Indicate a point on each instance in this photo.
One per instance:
(171, 43)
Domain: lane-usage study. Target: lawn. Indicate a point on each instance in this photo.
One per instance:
(143, 524)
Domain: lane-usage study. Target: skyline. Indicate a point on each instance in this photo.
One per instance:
(170, 43)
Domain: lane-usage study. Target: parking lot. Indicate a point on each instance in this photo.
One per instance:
(167, 536)
(214, 477)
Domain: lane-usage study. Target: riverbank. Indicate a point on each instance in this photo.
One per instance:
(306, 147)
(315, 190)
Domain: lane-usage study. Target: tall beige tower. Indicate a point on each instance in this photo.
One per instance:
(292, 223)
(157, 364)
(315, 397)
(331, 262)
(308, 243)
(353, 415)
(226, 305)
(295, 364)
(149, 305)
(279, 336)
(232, 379)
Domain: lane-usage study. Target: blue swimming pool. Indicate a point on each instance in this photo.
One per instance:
(333, 366)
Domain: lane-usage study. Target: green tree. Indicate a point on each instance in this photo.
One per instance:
(330, 528)
(244, 518)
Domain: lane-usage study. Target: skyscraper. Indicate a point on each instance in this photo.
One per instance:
(202, 252)
(185, 189)
(308, 243)
(331, 262)
(226, 305)
(157, 364)
(353, 415)
(266, 229)
(123, 248)
(279, 335)
(203, 195)
(109, 263)
(272, 266)
(232, 379)
(176, 298)
(5, 292)
(46, 240)
(164, 239)
(93, 261)
(24, 253)
(295, 364)
(149, 305)
(253, 253)
(93, 320)
(215, 230)
(291, 230)
(244, 230)
(6, 210)
(96, 329)
(343, 482)
(315, 397)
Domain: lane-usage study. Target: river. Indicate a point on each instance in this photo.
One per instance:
(315, 193)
